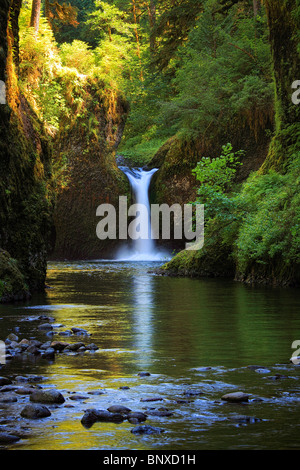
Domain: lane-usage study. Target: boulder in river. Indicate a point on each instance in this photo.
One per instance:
(92, 416)
(47, 396)
(35, 411)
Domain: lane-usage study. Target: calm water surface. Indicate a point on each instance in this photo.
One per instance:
(190, 335)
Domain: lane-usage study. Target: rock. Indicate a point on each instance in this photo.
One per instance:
(192, 393)
(33, 349)
(4, 381)
(35, 411)
(236, 397)
(149, 399)
(6, 438)
(46, 318)
(45, 326)
(144, 374)
(92, 347)
(75, 346)
(124, 387)
(59, 345)
(8, 388)
(79, 331)
(160, 413)
(92, 416)
(255, 367)
(135, 417)
(123, 410)
(47, 396)
(49, 354)
(65, 333)
(78, 397)
(25, 390)
(8, 398)
(12, 337)
(244, 419)
(146, 429)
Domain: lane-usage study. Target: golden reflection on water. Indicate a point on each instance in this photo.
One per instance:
(171, 328)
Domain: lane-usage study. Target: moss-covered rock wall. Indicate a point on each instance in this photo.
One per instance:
(25, 169)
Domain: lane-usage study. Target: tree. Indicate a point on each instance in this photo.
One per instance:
(284, 22)
(35, 14)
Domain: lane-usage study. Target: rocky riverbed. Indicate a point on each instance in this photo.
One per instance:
(147, 408)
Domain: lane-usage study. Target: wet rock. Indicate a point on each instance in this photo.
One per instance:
(25, 390)
(123, 410)
(92, 347)
(77, 397)
(236, 397)
(192, 393)
(278, 377)
(46, 318)
(33, 349)
(146, 429)
(160, 413)
(124, 387)
(262, 370)
(35, 411)
(92, 416)
(65, 333)
(244, 419)
(253, 367)
(79, 331)
(6, 438)
(45, 326)
(135, 417)
(8, 388)
(144, 374)
(59, 345)
(149, 399)
(49, 354)
(4, 381)
(75, 346)
(8, 398)
(47, 396)
(12, 337)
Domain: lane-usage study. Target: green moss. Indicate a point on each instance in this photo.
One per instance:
(12, 282)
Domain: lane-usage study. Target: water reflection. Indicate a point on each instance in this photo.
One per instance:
(143, 306)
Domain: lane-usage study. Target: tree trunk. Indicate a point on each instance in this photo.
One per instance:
(35, 14)
(152, 20)
(283, 23)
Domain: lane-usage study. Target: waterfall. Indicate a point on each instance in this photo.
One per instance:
(143, 248)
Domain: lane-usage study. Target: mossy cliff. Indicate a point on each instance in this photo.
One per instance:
(25, 174)
(90, 176)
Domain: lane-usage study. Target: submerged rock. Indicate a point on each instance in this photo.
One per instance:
(146, 429)
(6, 438)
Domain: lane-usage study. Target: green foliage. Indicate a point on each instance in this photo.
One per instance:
(270, 232)
(218, 172)
(216, 176)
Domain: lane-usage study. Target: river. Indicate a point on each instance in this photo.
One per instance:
(195, 337)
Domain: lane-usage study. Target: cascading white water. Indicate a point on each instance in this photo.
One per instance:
(143, 248)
